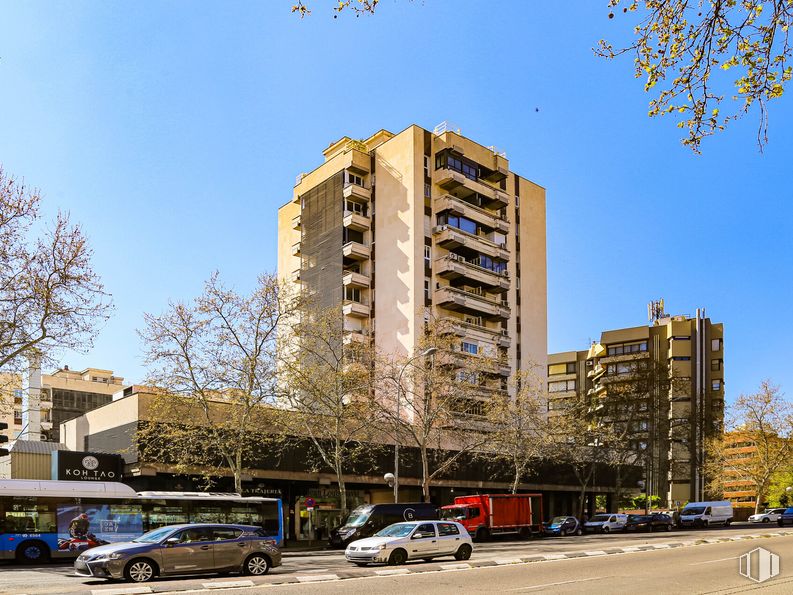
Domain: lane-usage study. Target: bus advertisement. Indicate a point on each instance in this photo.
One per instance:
(47, 519)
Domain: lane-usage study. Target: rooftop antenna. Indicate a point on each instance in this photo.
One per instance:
(655, 310)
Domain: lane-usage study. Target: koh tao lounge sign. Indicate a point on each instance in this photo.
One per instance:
(86, 466)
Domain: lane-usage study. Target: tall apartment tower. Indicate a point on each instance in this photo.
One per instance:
(676, 368)
(403, 226)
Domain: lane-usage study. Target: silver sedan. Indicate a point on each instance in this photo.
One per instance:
(182, 549)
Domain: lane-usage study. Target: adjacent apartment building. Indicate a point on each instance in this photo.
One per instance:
(402, 227)
(665, 382)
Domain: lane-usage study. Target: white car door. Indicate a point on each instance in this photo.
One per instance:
(423, 542)
(449, 538)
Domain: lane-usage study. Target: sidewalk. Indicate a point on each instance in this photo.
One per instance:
(293, 548)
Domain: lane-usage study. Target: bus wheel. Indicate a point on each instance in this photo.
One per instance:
(482, 534)
(524, 533)
(30, 552)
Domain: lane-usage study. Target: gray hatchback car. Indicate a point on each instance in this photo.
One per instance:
(182, 549)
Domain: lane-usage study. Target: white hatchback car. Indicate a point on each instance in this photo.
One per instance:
(422, 540)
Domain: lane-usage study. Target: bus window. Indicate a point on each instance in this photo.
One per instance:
(161, 515)
(201, 513)
(245, 514)
(28, 516)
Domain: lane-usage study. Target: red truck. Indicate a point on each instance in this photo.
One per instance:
(485, 515)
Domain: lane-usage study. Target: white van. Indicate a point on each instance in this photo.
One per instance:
(704, 514)
(606, 523)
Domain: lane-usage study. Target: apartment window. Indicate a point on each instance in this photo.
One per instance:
(475, 320)
(626, 348)
(352, 294)
(680, 358)
(639, 426)
(462, 223)
(18, 393)
(466, 168)
(621, 368)
(354, 207)
(680, 338)
(427, 191)
(427, 256)
(352, 235)
(472, 348)
(426, 290)
(564, 368)
(715, 384)
(715, 344)
(561, 386)
(354, 179)
(643, 406)
(517, 202)
(715, 365)
(17, 416)
(426, 166)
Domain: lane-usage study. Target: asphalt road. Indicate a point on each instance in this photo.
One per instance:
(317, 566)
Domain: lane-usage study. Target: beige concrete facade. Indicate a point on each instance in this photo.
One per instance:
(11, 392)
(430, 224)
(682, 394)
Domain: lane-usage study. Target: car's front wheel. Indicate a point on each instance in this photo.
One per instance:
(463, 552)
(579, 532)
(766, 520)
(606, 529)
(257, 565)
(397, 558)
(140, 571)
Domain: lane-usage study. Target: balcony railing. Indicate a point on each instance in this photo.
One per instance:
(356, 191)
(448, 236)
(454, 298)
(355, 251)
(355, 221)
(448, 202)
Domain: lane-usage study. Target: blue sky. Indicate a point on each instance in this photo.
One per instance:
(172, 131)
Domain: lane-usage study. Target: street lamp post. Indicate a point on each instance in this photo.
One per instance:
(423, 354)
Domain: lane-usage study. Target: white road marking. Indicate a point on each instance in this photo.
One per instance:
(317, 570)
(631, 548)
(317, 577)
(713, 561)
(661, 546)
(392, 571)
(509, 561)
(555, 556)
(580, 580)
(123, 591)
(228, 584)
(596, 553)
(455, 566)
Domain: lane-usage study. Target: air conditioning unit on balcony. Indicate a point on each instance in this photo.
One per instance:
(439, 228)
(453, 256)
(504, 332)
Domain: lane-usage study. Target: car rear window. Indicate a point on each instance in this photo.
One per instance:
(447, 529)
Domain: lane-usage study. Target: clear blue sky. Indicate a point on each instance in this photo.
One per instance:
(174, 130)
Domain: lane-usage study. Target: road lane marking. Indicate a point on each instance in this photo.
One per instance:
(661, 546)
(313, 578)
(555, 556)
(509, 561)
(392, 571)
(580, 580)
(631, 548)
(714, 561)
(228, 584)
(596, 553)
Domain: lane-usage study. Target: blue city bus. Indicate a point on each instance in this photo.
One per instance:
(42, 520)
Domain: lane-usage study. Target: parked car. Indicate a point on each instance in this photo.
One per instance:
(182, 549)
(649, 522)
(365, 521)
(786, 518)
(400, 542)
(770, 515)
(606, 523)
(562, 525)
(704, 514)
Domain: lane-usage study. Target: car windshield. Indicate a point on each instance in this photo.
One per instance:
(599, 518)
(694, 510)
(453, 513)
(397, 530)
(358, 517)
(558, 520)
(154, 536)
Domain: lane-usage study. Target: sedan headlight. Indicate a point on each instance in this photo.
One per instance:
(110, 556)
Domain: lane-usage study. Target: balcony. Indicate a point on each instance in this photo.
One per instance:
(458, 299)
(355, 251)
(46, 426)
(296, 249)
(449, 179)
(355, 221)
(296, 223)
(358, 161)
(450, 237)
(456, 205)
(356, 309)
(355, 192)
(453, 266)
(355, 336)
(353, 279)
(296, 276)
(461, 328)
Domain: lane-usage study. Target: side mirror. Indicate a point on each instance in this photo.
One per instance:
(417, 536)
(171, 541)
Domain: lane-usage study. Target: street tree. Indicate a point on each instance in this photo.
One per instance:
(51, 298)
(758, 443)
(697, 53)
(434, 400)
(212, 363)
(518, 424)
(327, 382)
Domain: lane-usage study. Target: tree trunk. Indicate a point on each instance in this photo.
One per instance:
(238, 472)
(425, 475)
(516, 479)
(617, 487)
(339, 464)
